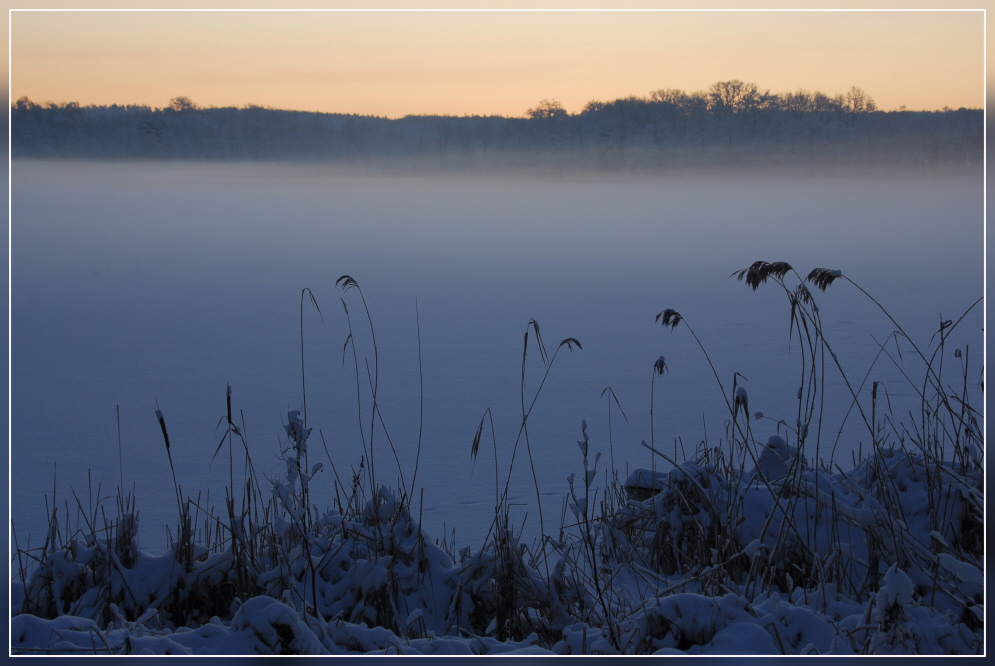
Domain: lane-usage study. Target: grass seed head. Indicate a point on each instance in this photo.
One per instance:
(162, 425)
(570, 342)
(476, 441)
(346, 283)
(669, 317)
(660, 366)
(759, 271)
(823, 277)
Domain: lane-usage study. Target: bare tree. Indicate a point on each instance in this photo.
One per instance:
(857, 101)
(547, 109)
(734, 96)
(674, 96)
(798, 102)
(182, 104)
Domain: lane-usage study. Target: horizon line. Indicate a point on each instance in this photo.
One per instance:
(249, 105)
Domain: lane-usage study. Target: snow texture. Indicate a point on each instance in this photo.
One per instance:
(369, 580)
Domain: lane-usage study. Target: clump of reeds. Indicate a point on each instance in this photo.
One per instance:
(816, 532)
(740, 517)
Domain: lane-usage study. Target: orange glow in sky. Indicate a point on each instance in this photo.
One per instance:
(483, 63)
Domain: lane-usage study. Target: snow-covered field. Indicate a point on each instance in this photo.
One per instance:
(884, 558)
(743, 548)
(833, 504)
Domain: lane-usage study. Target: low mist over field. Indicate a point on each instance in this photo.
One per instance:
(606, 382)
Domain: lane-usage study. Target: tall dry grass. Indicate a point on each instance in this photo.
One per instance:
(742, 517)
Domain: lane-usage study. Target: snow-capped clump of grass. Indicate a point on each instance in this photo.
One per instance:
(754, 545)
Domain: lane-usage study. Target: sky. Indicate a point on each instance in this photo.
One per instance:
(486, 63)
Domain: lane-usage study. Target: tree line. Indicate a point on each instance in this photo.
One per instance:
(730, 97)
(731, 120)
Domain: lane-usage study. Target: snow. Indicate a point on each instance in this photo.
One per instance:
(382, 586)
(644, 479)
(785, 557)
(775, 459)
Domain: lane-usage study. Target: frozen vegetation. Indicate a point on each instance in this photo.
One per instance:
(751, 544)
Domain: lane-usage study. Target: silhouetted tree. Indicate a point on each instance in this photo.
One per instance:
(734, 96)
(823, 103)
(799, 102)
(24, 104)
(594, 106)
(547, 109)
(182, 104)
(857, 101)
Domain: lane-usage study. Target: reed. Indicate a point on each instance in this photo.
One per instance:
(740, 519)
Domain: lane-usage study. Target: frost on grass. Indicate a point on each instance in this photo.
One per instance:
(709, 562)
(744, 548)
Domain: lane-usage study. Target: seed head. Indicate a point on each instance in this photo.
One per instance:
(570, 342)
(660, 366)
(741, 399)
(346, 282)
(759, 271)
(823, 277)
(162, 424)
(669, 317)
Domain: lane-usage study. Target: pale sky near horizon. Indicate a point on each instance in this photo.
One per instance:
(483, 63)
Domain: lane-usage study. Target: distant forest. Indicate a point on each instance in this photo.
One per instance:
(732, 122)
